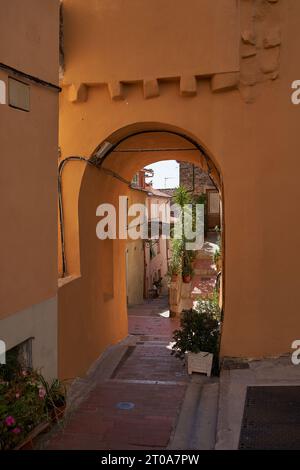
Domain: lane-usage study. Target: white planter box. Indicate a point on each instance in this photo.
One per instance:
(200, 362)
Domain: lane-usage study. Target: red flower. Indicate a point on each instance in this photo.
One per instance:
(16, 430)
(10, 421)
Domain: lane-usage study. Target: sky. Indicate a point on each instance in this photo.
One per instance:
(166, 169)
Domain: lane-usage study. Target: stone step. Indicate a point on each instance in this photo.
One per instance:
(204, 268)
(203, 255)
(197, 421)
(207, 252)
(203, 436)
(205, 272)
(202, 287)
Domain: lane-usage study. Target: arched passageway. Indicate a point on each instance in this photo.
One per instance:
(94, 274)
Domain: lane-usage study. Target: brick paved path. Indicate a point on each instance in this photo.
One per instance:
(148, 377)
(205, 273)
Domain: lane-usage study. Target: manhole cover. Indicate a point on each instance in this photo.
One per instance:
(125, 405)
(271, 418)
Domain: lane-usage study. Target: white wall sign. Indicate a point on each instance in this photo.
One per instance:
(2, 92)
(2, 352)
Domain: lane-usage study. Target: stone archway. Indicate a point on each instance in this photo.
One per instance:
(94, 298)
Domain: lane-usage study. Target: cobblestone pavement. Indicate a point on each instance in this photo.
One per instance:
(138, 405)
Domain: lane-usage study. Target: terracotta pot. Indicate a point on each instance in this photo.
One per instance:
(174, 277)
(186, 279)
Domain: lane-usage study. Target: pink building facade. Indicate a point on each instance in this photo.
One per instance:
(156, 249)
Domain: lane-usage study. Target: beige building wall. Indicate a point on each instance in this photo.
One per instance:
(135, 268)
(158, 265)
(135, 272)
(28, 179)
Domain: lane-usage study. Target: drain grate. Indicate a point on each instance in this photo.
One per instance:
(271, 419)
(125, 405)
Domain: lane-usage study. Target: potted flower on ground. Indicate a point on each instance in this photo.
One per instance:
(198, 338)
(186, 274)
(175, 265)
(174, 270)
(27, 404)
(22, 409)
(187, 270)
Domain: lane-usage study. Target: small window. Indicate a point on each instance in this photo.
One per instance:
(18, 95)
(2, 92)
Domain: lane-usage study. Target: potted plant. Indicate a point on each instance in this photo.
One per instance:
(198, 338)
(182, 196)
(187, 270)
(174, 270)
(175, 265)
(28, 404)
(23, 414)
(186, 274)
(55, 398)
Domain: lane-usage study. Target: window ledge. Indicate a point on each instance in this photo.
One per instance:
(62, 281)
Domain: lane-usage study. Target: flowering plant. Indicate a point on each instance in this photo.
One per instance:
(22, 407)
(25, 402)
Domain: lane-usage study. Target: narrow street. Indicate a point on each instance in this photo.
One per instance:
(134, 394)
(149, 149)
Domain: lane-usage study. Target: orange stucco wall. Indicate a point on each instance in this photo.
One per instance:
(244, 119)
(29, 150)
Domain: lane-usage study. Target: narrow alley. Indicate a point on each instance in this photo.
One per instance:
(149, 149)
(132, 399)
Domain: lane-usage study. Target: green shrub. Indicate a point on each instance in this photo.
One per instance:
(182, 196)
(217, 255)
(175, 265)
(187, 269)
(199, 331)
